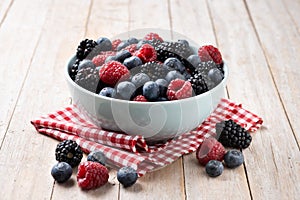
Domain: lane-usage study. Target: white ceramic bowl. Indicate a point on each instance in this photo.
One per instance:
(153, 120)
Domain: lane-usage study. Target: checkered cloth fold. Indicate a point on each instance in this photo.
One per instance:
(125, 150)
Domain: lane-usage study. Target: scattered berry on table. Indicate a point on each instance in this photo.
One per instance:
(163, 86)
(231, 134)
(194, 60)
(115, 43)
(140, 98)
(127, 176)
(146, 53)
(91, 175)
(210, 53)
(88, 78)
(198, 83)
(151, 91)
(172, 75)
(125, 90)
(68, 151)
(174, 63)
(111, 72)
(151, 36)
(210, 149)
(108, 92)
(214, 168)
(97, 156)
(233, 158)
(179, 89)
(61, 172)
(215, 75)
(122, 55)
(132, 62)
(104, 44)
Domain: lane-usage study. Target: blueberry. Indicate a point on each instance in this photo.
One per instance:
(132, 62)
(233, 158)
(172, 75)
(151, 90)
(175, 64)
(122, 55)
(61, 172)
(141, 43)
(110, 58)
(215, 75)
(185, 42)
(162, 99)
(127, 176)
(214, 168)
(122, 45)
(86, 64)
(132, 40)
(104, 44)
(125, 90)
(97, 156)
(140, 79)
(163, 86)
(194, 60)
(108, 92)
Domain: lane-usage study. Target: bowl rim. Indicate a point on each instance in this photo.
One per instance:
(68, 78)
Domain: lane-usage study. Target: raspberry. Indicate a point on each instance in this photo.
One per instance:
(115, 44)
(146, 53)
(140, 98)
(111, 72)
(179, 89)
(208, 53)
(131, 48)
(151, 36)
(91, 175)
(210, 149)
(100, 59)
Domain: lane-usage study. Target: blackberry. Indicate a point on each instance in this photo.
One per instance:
(68, 151)
(88, 78)
(198, 83)
(154, 70)
(174, 49)
(84, 48)
(231, 134)
(204, 67)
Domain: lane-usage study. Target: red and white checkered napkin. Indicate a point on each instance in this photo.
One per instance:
(125, 150)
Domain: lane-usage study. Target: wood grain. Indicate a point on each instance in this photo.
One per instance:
(272, 161)
(4, 8)
(198, 27)
(292, 8)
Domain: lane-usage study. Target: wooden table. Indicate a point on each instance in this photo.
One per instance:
(259, 39)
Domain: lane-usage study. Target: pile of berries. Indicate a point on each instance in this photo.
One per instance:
(92, 173)
(211, 152)
(147, 69)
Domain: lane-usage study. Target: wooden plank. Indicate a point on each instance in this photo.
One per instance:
(18, 43)
(272, 161)
(166, 183)
(107, 21)
(198, 185)
(27, 157)
(293, 8)
(5, 5)
(282, 52)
